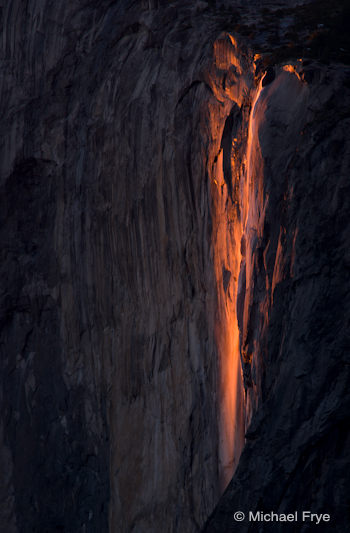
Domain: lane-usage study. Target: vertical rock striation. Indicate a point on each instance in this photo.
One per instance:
(174, 254)
(109, 378)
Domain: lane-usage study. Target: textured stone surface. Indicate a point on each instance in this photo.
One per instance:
(109, 361)
(124, 139)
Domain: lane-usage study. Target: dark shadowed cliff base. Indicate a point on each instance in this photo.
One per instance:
(175, 257)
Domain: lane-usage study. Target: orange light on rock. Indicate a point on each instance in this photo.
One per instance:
(227, 259)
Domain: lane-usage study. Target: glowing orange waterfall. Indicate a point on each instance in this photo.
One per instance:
(227, 235)
(252, 163)
(232, 216)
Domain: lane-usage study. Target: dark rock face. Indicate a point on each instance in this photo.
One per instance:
(269, 76)
(48, 451)
(109, 373)
(174, 272)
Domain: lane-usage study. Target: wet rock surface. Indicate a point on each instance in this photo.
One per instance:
(116, 117)
(295, 320)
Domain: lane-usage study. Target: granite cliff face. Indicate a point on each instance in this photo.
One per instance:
(174, 273)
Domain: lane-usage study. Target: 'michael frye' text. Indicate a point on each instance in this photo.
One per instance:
(304, 516)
